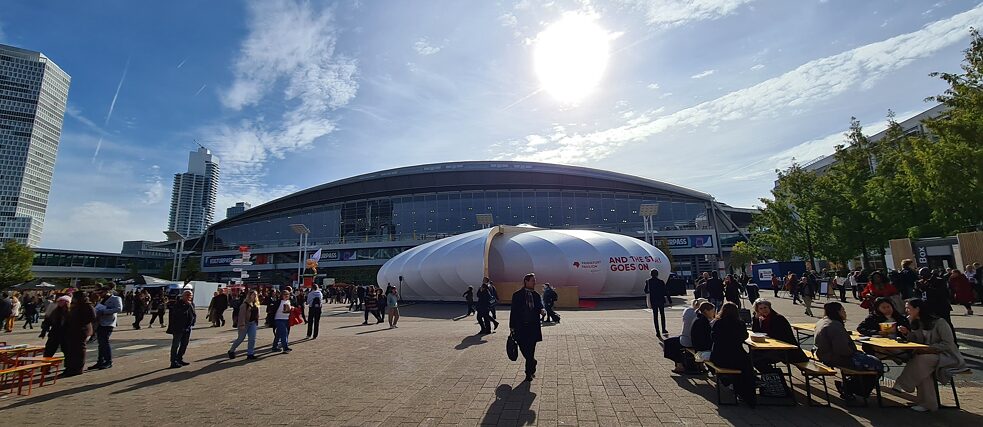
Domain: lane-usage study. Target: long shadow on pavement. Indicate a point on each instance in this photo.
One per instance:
(80, 389)
(470, 341)
(512, 406)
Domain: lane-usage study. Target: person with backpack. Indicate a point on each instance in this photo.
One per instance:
(314, 300)
(658, 299)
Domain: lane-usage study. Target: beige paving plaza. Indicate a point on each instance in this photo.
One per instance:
(598, 367)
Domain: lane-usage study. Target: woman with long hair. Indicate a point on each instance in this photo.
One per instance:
(78, 329)
(728, 334)
(247, 323)
(878, 286)
(942, 361)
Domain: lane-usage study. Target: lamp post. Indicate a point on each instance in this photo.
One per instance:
(805, 226)
(303, 232)
(647, 211)
(178, 239)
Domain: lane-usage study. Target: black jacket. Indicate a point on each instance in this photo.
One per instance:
(549, 296)
(658, 293)
(525, 319)
(484, 299)
(715, 288)
(181, 318)
(5, 308)
(700, 334)
(871, 325)
(728, 343)
(781, 330)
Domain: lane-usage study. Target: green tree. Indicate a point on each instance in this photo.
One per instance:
(779, 231)
(15, 264)
(742, 254)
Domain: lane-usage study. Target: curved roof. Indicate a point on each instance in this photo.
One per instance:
(464, 176)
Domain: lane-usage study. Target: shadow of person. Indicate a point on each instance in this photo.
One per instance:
(470, 341)
(512, 405)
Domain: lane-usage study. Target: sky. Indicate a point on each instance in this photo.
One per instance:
(712, 95)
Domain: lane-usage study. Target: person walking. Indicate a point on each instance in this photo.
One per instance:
(5, 310)
(392, 302)
(155, 302)
(658, 299)
(962, 290)
(106, 312)
(776, 285)
(484, 300)
(53, 326)
(907, 278)
(494, 300)
(524, 325)
(469, 299)
(139, 308)
(247, 322)
(180, 322)
(370, 303)
(14, 312)
(314, 300)
(30, 304)
(549, 299)
(281, 323)
(78, 329)
(715, 289)
(807, 290)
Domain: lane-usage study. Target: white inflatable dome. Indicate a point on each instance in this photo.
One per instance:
(600, 265)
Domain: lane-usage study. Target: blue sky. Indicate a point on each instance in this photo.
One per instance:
(711, 94)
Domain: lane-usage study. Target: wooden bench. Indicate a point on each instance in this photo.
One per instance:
(847, 372)
(52, 362)
(22, 372)
(812, 370)
(952, 383)
(717, 373)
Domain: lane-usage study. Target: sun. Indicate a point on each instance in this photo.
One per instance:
(570, 56)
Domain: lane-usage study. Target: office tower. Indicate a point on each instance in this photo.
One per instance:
(33, 94)
(239, 208)
(193, 196)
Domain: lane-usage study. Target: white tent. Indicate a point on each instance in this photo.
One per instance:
(600, 265)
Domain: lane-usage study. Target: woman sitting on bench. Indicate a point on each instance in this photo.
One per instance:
(943, 362)
(728, 334)
(770, 322)
(673, 347)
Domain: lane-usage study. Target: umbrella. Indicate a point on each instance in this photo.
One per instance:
(34, 286)
(145, 281)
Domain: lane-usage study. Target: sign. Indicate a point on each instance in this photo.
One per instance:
(589, 266)
(765, 274)
(922, 255)
(219, 261)
(678, 242)
(348, 255)
(704, 241)
(632, 263)
(330, 255)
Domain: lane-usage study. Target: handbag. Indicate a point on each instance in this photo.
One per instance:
(295, 316)
(512, 348)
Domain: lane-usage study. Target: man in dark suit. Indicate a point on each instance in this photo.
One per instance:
(527, 307)
(658, 299)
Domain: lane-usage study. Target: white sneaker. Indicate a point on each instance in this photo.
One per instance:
(918, 408)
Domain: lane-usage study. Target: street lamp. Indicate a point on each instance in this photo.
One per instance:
(178, 239)
(303, 232)
(647, 211)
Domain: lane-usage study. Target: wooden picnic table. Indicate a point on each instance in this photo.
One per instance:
(888, 344)
(772, 344)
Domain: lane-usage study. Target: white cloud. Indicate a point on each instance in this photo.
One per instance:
(425, 48)
(288, 58)
(788, 94)
(706, 73)
(671, 13)
(757, 67)
(653, 86)
(155, 187)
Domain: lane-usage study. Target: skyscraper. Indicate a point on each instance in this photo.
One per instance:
(193, 196)
(239, 208)
(33, 94)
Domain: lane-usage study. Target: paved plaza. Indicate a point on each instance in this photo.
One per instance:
(598, 367)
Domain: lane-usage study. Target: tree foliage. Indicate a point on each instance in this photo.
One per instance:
(915, 185)
(15, 264)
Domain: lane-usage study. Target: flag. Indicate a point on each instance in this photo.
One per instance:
(317, 255)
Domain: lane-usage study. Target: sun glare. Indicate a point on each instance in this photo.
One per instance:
(570, 57)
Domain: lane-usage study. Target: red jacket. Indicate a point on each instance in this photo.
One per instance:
(962, 290)
(872, 292)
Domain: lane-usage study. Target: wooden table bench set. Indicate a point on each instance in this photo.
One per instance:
(21, 365)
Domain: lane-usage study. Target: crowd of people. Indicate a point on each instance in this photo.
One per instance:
(714, 331)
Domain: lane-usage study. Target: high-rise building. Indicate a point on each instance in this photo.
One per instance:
(193, 196)
(239, 208)
(33, 94)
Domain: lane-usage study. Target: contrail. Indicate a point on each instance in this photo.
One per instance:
(181, 64)
(112, 105)
(522, 99)
(201, 89)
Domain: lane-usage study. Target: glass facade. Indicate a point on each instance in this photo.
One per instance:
(428, 216)
(44, 258)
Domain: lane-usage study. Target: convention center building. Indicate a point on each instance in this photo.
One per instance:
(361, 222)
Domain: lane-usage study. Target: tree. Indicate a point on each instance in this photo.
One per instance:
(742, 254)
(15, 264)
(779, 231)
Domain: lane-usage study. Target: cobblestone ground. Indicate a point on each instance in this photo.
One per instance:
(598, 367)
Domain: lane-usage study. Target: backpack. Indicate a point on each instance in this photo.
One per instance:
(316, 302)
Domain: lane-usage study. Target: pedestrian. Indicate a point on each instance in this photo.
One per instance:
(156, 302)
(128, 303)
(216, 308)
(107, 309)
(494, 299)
(715, 289)
(907, 278)
(281, 322)
(469, 299)
(139, 308)
(5, 310)
(78, 329)
(484, 300)
(524, 325)
(658, 299)
(807, 290)
(381, 301)
(370, 303)
(30, 311)
(314, 300)
(792, 285)
(14, 312)
(53, 326)
(392, 302)
(732, 289)
(180, 322)
(776, 285)
(549, 299)
(247, 322)
(962, 290)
